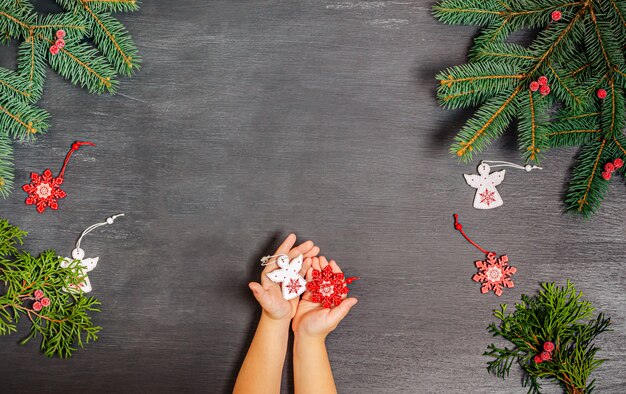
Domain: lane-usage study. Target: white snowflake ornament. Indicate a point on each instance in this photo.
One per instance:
(288, 275)
(487, 196)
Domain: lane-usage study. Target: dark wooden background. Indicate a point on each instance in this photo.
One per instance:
(251, 119)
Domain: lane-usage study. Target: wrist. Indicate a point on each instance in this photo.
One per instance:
(308, 339)
(282, 323)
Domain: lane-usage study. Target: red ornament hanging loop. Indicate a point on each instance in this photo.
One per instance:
(459, 227)
(44, 190)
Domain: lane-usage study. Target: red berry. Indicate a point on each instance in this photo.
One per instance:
(60, 34)
(38, 294)
(538, 359)
(548, 346)
(545, 356)
(606, 175)
(543, 80)
(544, 90)
(54, 49)
(45, 301)
(534, 86)
(609, 167)
(556, 15)
(60, 43)
(601, 93)
(37, 306)
(618, 163)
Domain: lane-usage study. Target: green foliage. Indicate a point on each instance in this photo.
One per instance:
(557, 315)
(97, 49)
(66, 322)
(579, 54)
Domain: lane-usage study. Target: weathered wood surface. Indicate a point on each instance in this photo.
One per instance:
(251, 119)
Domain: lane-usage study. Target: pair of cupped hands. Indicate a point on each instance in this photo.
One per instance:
(307, 318)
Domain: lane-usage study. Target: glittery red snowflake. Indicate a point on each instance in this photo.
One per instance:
(494, 273)
(327, 287)
(44, 191)
(486, 197)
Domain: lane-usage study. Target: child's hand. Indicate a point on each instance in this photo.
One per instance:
(269, 294)
(311, 319)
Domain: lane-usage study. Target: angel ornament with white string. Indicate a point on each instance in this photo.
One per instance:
(84, 265)
(288, 275)
(485, 182)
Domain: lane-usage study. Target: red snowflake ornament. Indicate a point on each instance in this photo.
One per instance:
(494, 273)
(328, 287)
(44, 190)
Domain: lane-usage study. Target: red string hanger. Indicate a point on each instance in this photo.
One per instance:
(494, 272)
(44, 190)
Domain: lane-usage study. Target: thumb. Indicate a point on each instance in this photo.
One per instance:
(258, 291)
(340, 311)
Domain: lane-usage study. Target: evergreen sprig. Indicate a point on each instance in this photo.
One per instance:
(98, 48)
(558, 315)
(579, 54)
(63, 325)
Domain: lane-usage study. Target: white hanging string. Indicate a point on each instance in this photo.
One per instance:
(498, 163)
(89, 229)
(265, 260)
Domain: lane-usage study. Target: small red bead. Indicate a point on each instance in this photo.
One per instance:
(601, 93)
(609, 167)
(548, 346)
(556, 15)
(545, 356)
(45, 301)
(60, 34)
(458, 226)
(618, 163)
(534, 86)
(543, 80)
(538, 359)
(545, 90)
(606, 175)
(38, 294)
(54, 49)
(60, 43)
(37, 306)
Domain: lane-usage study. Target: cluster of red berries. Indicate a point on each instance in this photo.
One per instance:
(41, 301)
(546, 355)
(541, 84)
(59, 43)
(556, 15)
(610, 167)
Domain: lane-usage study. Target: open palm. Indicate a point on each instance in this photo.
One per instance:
(269, 294)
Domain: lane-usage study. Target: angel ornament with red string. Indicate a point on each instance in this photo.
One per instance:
(494, 273)
(288, 275)
(485, 182)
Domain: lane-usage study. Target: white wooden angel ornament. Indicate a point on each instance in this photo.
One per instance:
(85, 264)
(485, 182)
(288, 274)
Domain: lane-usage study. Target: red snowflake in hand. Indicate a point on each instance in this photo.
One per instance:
(43, 190)
(494, 273)
(327, 287)
(486, 197)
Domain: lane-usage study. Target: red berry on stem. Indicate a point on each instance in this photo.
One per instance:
(38, 294)
(54, 49)
(545, 90)
(37, 306)
(609, 167)
(538, 359)
(60, 34)
(60, 43)
(534, 86)
(556, 15)
(606, 175)
(45, 301)
(545, 356)
(601, 93)
(618, 163)
(548, 346)
(543, 80)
